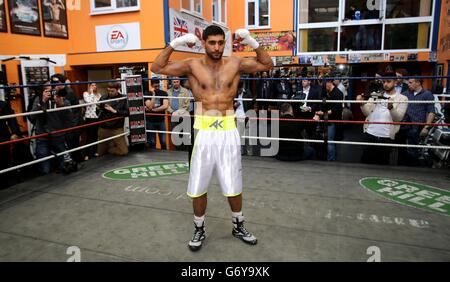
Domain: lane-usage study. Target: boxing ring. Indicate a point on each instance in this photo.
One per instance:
(135, 208)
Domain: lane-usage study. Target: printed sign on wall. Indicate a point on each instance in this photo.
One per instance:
(118, 37)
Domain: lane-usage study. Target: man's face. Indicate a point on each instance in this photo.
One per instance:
(329, 85)
(155, 86)
(176, 84)
(306, 83)
(389, 85)
(413, 84)
(399, 78)
(214, 46)
(112, 92)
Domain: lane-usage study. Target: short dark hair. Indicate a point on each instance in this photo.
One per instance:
(212, 30)
(154, 81)
(115, 85)
(285, 107)
(417, 78)
(60, 77)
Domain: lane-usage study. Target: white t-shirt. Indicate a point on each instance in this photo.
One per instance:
(380, 114)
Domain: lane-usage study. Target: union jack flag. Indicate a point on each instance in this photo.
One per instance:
(179, 27)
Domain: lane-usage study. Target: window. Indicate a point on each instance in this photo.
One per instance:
(361, 37)
(319, 11)
(407, 36)
(318, 40)
(408, 8)
(362, 10)
(362, 25)
(193, 6)
(258, 13)
(113, 6)
(220, 11)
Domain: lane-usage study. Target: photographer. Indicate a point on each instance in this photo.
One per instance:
(388, 110)
(50, 122)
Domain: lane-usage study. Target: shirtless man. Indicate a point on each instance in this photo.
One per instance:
(214, 81)
(55, 7)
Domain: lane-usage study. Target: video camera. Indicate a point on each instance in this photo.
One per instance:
(376, 90)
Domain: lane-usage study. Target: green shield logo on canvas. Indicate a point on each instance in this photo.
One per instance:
(148, 171)
(410, 193)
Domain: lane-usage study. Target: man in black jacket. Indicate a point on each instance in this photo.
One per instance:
(307, 110)
(331, 111)
(9, 130)
(48, 123)
(117, 146)
(73, 137)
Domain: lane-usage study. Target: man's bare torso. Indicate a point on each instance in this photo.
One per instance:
(215, 87)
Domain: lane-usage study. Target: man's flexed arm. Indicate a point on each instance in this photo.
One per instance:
(263, 61)
(162, 65)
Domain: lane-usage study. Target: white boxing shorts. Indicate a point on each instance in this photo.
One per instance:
(217, 147)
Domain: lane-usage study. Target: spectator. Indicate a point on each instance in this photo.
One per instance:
(9, 130)
(156, 106)
(91, 116)
(178, 106)
(416, 113)
(331, 111)
(50, 122)
(263, 90)
(73, 137)
(117, 146)
(290, 150)
(307, 110)
(388, 111)
(283, 90)
(241, 108)
(401, 85)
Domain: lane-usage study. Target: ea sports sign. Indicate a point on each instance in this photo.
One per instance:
(118, 37)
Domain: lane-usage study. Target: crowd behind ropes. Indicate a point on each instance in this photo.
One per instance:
(383, 101)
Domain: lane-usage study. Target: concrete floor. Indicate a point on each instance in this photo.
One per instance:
(305, 211)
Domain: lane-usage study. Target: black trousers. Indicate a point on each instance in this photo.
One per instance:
(376, 154)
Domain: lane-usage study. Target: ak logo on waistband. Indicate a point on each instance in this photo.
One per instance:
(410, 193)
(147, 171)
(217, 124)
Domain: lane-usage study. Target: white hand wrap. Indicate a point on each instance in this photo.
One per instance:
(184, 40)
(247, 39)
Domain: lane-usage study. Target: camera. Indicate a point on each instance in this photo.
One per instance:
(376, 90)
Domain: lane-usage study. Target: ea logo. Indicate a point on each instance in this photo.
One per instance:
(117, 37)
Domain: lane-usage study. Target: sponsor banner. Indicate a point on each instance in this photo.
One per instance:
(182, 23)
(271, 41)
(118, 37)
(369, 58)
(147, 171)
(136, 108)
(411, 194)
